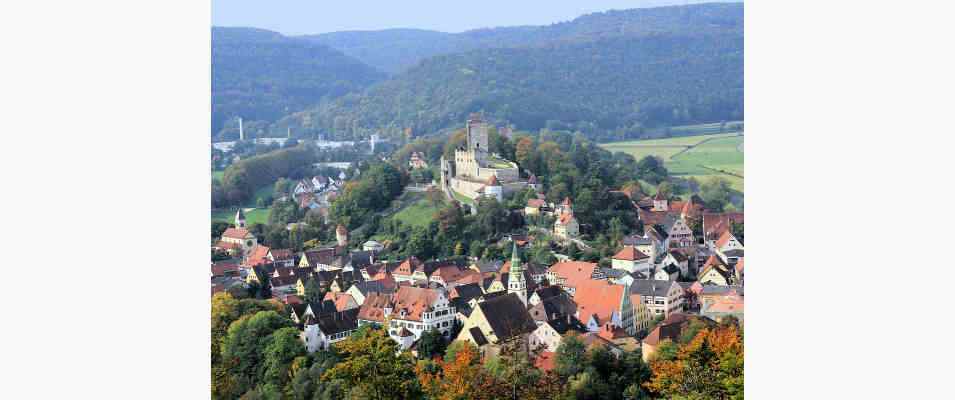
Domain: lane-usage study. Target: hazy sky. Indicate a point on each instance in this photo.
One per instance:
(294, 17)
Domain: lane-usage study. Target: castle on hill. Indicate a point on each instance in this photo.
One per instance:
(475, 171)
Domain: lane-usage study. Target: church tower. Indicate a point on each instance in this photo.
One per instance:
(515, 277)
(239, 219)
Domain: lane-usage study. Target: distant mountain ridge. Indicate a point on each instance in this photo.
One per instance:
(396, 50)
(610, 73)
(261, 75)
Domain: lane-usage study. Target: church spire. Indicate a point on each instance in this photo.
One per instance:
(515, 276)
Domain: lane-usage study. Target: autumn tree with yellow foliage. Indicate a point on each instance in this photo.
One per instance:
(709, 366)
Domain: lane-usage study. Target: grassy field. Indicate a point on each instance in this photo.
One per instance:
(256, 216)
(693, 156)
(416, 209)
(217, 175)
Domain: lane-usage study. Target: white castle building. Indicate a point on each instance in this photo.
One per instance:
(475, 171)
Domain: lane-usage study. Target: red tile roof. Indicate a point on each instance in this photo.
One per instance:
(258, 255)
(574, 272)
(493, 181)
(341, 300)
(236, 233)
(630, 253)
(536, 203)
(724, 239)
(227, 245)
(408, 267)
(600, 298)
(413, 301)
(715, 224)
(220, 269)
(373, 309)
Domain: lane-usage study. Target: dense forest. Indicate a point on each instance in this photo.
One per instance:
(608, 75)
(396, 50)
(261, 75)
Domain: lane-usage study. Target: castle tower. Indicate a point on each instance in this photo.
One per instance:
(341, 235)
(239, 219)
(477, 135)
(494, 189)
(515, 277)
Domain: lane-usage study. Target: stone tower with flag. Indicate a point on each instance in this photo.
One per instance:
(515, 277)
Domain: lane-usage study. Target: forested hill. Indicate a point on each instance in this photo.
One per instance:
(261, 75)
(608, 75)
(396, 50)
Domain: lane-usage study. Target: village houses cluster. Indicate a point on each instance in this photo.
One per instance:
(655, 285)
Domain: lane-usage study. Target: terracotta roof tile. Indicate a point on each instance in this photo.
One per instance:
(236, 233)
(597, 298)
(630, 253)
(574, 272)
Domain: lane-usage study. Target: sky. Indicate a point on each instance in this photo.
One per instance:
(298, 17)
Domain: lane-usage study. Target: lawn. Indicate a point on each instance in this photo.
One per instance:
(256, 216)
(710, 154)
(217, 175)
(418, 213)
(461, 198)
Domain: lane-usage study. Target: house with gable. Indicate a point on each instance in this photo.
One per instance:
(601, 302)
(496, 321)
(237, 241)
(569, 274)
(631, 260)
(320, 332)
(660, 297)
(419, 310)
(714, 224)
(728, 248)
(716, 272)
(360, 290)
(680, 259)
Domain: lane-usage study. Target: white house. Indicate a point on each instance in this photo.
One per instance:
(679, 259)
(631, 260)
(322, 331)
(660, 297)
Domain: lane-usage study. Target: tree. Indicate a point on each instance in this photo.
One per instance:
(431, 344)
(457, 376)
(708, 366)
(283, 348)
(372, 364)
(243, 347)
(716, 193)
(571, 356)
(666, 189)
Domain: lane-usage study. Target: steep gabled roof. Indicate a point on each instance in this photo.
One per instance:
(507, 316)
(373, 309)
(414, 301)
(651, 287)
(236, 233)
(338, 322)
(574, 272)
(630, 253)
(724, 239)
(599, 299)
